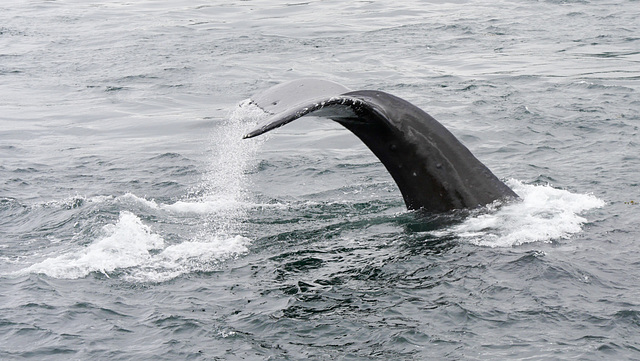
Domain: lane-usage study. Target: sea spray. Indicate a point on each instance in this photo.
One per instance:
(135, 251)
(225, 180)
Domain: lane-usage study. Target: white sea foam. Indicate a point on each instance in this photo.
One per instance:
(189, 257)
(544, 214)
(125, 244)
(130, 197)
(201, 206)
(130, 248)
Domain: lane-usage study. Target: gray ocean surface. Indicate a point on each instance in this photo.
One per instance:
(136, 224)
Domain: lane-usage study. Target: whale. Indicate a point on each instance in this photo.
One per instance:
(433, 170)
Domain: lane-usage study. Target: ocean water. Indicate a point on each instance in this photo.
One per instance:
(136, 224)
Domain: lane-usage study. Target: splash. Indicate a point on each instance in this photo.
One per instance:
(130, 249)
(544, 214)
(126, 244)
(225, 182)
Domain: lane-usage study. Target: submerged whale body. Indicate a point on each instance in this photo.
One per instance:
(433, 170)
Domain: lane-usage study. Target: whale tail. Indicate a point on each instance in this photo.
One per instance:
(434, 171)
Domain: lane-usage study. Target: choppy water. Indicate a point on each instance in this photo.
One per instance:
(135, 224)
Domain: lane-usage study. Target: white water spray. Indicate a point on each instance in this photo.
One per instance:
(225, 182)
(131, 248)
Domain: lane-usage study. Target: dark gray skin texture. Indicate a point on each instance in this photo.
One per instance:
(433, 170)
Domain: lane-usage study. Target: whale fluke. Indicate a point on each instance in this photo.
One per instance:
(434, 171)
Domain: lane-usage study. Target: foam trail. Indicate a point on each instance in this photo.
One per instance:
(544, 214)
(210, 207)
(189, 257)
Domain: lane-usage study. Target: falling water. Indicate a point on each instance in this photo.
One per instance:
(225, 181)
